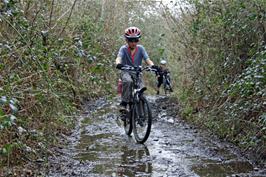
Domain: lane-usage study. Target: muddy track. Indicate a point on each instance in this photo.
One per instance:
(99, 147)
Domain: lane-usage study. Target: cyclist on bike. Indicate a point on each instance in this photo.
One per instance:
(131, 54)
(163, 70)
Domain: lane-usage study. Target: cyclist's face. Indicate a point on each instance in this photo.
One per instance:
(132, 43)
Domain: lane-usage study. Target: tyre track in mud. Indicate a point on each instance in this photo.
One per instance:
(98, 147)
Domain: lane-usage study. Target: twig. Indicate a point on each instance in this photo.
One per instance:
(48, 80)
(60, 18)
(71, 11)
(14, 28)
(51, 14)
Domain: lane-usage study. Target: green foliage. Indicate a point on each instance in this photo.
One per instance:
(224, 59)
(45, 74)
(8, 111)
(51, 61)
(252, 80)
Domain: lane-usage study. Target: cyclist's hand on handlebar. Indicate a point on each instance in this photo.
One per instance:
(154, 67)
(119, 66)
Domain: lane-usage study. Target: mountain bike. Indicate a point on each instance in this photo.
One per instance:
(138, 118)
(167, 86)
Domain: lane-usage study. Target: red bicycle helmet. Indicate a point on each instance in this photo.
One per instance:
(132, 32)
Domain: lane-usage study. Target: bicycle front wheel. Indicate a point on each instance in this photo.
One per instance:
(142, 120)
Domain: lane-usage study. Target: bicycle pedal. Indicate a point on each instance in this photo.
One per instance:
(123, 111)
(141, 123)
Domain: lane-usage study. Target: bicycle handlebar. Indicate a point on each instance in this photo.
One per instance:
(138, 68)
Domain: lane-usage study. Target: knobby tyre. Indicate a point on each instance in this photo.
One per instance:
(167, 85)
(165, 89)
(142, 120)
(128, 122)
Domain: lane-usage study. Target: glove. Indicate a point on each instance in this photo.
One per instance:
(119, 66)
(155, 67)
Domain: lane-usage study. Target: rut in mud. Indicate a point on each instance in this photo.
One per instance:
(99, 147)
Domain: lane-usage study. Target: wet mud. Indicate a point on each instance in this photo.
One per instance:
(99, 147)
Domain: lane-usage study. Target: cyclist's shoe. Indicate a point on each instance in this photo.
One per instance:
(123, 110)
(123, 116)
(123, 106)
(171, 90)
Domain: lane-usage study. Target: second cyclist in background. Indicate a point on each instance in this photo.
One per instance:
(163, 77)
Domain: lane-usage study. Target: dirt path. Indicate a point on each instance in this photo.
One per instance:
(99, 147)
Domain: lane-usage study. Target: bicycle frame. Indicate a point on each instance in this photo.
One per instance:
(137, 91)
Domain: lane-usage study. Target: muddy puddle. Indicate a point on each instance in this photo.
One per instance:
(100, 148)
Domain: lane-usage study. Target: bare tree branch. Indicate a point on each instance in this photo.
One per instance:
(51, 14)
(71, 11)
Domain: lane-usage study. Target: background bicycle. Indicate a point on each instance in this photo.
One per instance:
(167, 86)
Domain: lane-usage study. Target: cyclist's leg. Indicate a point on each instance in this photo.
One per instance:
(126, 87)
(126, 94)
(141, 81)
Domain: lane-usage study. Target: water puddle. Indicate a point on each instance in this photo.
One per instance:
(225, 168)
(173, 149)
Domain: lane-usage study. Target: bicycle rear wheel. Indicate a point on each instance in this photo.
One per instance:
(142, 120)
(128, 122)
(165, 88)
